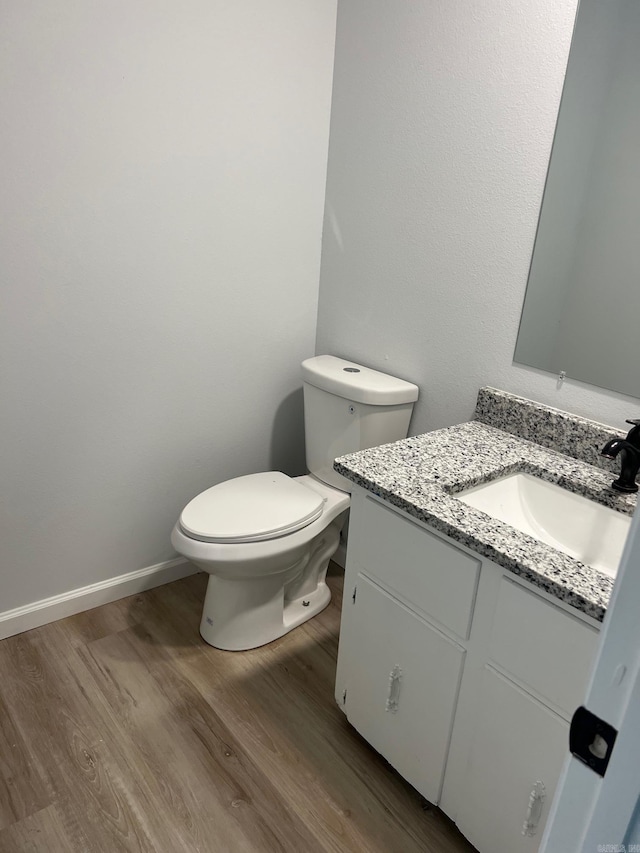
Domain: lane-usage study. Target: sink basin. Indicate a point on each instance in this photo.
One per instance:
(573, 524)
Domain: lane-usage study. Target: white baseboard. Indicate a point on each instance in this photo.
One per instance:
(85, 598)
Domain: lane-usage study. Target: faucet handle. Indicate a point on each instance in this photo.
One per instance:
(633, 436)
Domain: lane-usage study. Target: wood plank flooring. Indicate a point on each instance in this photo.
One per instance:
(121, 730)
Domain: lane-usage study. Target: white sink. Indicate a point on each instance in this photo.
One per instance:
(581, 528)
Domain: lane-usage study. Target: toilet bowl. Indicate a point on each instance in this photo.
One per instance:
(266, 539)
(262, 585)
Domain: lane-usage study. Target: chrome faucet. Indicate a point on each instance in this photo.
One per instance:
(629, 447)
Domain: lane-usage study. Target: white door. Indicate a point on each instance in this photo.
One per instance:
(591, 812)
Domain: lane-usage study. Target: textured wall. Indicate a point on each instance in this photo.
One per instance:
(163, 182)
(442, 122)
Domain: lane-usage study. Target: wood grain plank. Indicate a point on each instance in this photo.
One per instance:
(47, 831)
(214, 789)
(84, 765)
(135, 735)
(22, 789)
(82, 628)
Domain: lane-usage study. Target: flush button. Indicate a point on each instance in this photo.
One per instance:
(351, 369)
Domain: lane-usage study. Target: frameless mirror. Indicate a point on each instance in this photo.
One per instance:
(582, 306)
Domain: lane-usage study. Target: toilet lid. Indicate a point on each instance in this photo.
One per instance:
(251, 509)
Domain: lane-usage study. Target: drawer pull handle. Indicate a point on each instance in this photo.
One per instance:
(394, 689)
(534, 809)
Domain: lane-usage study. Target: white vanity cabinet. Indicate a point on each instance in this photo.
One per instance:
(460, 675)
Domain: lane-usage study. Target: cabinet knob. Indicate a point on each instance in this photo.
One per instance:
(393, 695)
(534, 809)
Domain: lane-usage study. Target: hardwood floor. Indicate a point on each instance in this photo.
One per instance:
(121, 730)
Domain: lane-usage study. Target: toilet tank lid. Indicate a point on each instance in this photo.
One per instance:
(355, 382)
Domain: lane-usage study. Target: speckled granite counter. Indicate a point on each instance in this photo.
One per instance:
(421, 476)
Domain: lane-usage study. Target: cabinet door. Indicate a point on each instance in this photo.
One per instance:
(518, 750)
(402, 686)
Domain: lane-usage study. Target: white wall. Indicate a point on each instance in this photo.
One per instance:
(442, 122)
(163, 180)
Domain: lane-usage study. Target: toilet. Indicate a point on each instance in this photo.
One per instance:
(266, 539)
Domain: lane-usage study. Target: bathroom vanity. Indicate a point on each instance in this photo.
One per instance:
(466, 645)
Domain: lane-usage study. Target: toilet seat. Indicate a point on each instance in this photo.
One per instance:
(251, 509)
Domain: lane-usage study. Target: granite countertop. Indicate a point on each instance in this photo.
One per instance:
(421, 476)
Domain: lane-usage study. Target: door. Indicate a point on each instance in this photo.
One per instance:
(591, 811)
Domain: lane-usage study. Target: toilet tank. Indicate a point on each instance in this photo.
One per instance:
(348, 407)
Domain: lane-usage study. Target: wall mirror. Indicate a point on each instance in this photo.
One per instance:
(581, 313)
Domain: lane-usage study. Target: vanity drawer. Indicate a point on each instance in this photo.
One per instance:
(542, 646)
(428, 574)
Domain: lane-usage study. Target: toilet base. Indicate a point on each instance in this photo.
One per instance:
(244, 613)
(242, 637)
(302, 609)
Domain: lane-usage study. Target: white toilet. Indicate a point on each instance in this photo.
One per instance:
(266, 539)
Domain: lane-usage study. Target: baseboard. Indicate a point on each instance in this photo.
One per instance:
(85, 598)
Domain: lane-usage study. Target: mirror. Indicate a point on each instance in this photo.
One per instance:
(582, 306)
